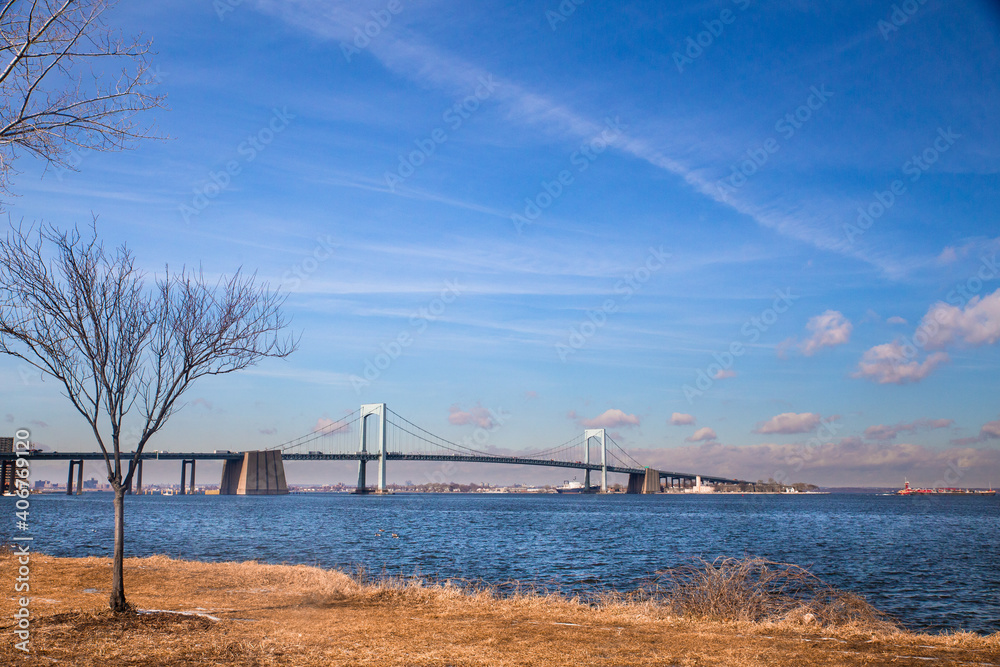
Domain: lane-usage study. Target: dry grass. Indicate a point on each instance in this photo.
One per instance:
(258, 614)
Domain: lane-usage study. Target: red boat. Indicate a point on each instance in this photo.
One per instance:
(909, 491)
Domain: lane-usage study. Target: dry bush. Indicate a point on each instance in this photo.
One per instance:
(757, 590)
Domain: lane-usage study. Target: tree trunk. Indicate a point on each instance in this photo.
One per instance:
(118, 604)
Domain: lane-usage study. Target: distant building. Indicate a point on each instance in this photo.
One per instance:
(90, 483)
(6, 447)
(41, 483)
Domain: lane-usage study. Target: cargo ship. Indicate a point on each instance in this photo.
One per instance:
(907, 490)
(576, 487)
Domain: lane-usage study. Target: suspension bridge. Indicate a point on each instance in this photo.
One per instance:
(375, 434)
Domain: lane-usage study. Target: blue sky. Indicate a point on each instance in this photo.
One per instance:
(573, 211)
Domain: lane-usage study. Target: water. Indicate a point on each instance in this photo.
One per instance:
(933, 563)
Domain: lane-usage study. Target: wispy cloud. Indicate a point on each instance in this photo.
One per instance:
(404, 52)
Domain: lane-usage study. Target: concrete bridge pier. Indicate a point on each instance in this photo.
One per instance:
(260, 473)
(648, 482)
(79, 477)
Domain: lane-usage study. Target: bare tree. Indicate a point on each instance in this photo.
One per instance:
(85, 316)
(68, 81)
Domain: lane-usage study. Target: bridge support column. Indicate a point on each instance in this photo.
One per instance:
(362, 477)
(373, 409)
(79, 477)
(184, 465)
(137, 478)
(597, 433)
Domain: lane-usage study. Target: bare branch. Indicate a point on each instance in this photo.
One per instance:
(57, 78)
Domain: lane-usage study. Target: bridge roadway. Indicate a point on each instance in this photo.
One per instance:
(366, 456)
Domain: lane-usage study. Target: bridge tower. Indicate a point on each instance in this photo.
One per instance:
(366, 410)
(587, 435)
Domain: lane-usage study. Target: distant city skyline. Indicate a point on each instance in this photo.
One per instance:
(531, 221)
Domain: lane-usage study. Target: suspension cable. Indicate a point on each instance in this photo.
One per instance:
(630, 457)
(455, 446)
(315, 435)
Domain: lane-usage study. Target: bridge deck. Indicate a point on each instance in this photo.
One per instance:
(367, 456)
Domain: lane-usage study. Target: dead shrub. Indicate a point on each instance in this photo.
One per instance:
(757, 590)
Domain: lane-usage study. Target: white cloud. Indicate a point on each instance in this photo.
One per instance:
(884, 432)
(704, 434)
(790, 422)
(978, 323)
(477, 415)
(892, 363)
(681, 419)
(724, 374)
(829, 329)
(945, 325)
(989, 431)
(896, 319)
(613, 418)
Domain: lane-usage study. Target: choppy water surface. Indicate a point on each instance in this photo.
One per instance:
(934, 563)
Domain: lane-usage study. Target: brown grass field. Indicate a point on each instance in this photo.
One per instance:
(254, 614)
